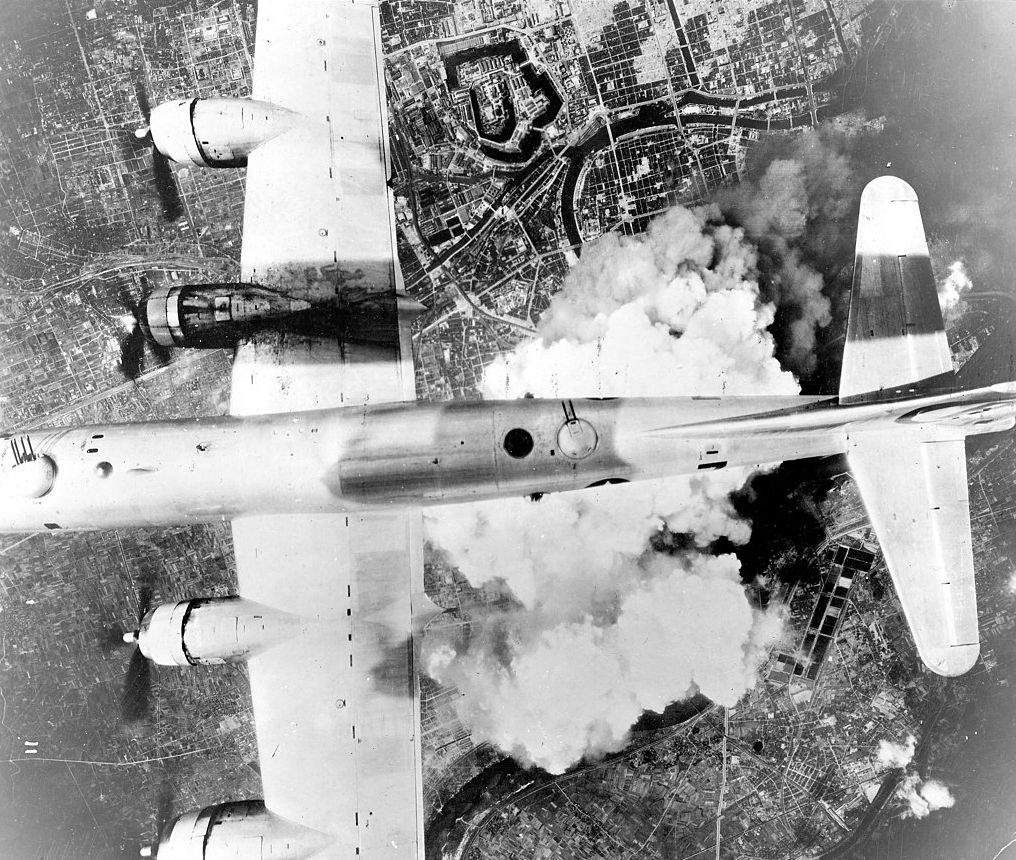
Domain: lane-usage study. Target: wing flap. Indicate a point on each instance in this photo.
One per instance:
(915, 492)
(896, 342)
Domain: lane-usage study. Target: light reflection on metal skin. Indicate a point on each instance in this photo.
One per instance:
(374, 457)
(217, 132)
(213, 316)
(212, 630)
(229, 829)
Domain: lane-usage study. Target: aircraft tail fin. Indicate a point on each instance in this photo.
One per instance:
(896, 344)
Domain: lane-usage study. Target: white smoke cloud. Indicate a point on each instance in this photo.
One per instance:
(675, 310)
(924, 796)
(570, 547)
(892, 754)
(609, 628)
(951, 291)
(575, 688)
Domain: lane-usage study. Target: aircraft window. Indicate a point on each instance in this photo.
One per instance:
(518, 443)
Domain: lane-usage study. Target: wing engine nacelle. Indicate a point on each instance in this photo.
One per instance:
(216, 132)
(238, 829)
(211, 316)
(212, 630)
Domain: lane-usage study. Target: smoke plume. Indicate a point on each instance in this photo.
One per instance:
(604, 627)
(952, 290)
(798, 204)
(573, 688)
(892, 754)
(675, 310)
(923, 796)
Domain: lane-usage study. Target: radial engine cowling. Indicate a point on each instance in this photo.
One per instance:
(216, 132)
(210, 316)
(212, 630)
(236, 830)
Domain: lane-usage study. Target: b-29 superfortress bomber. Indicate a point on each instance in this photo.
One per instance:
(325, 460)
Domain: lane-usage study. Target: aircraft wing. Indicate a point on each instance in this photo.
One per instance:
(896, 342)
(915, 491)
(318, 216)
(913, 483)
(336, 708)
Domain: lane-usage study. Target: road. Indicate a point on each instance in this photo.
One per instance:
(886, 791)
(476, 827)
(186, 358)
(664, 114)
(723, 783)
(843, 531)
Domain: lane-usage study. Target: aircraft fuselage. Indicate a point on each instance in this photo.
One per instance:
(354, 458)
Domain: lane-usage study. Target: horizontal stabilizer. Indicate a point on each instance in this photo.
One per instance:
(915, 493)
(896, 342)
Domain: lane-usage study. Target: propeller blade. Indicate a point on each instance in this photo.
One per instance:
(165, 185)
(111, 639)
(127, 300)
(144, 600)
(162, 173)
(161, 353)
(164, 813)
(132, 353)
(137, 345)
(136, 701)
(141, 94)
(167, 801)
